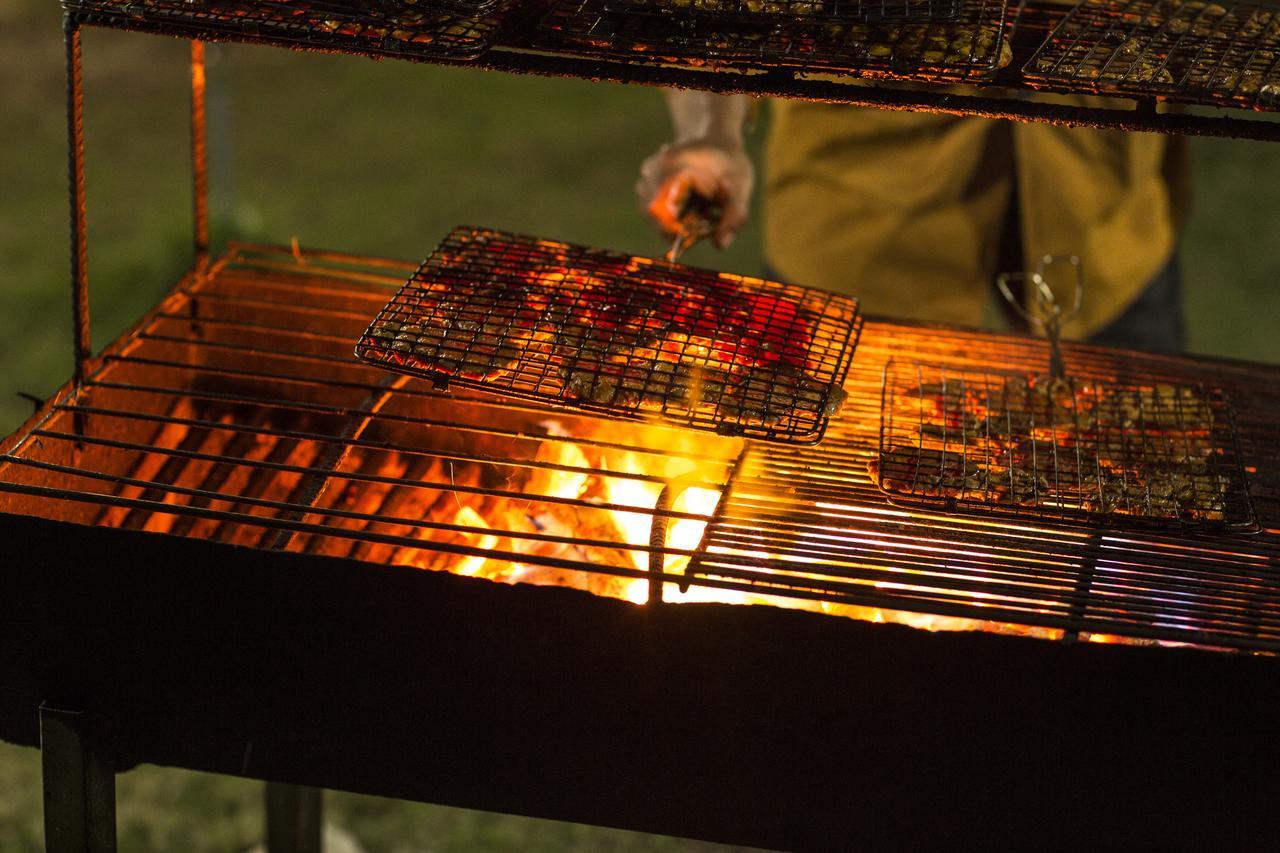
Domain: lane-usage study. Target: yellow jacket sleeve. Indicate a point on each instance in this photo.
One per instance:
(905, 209)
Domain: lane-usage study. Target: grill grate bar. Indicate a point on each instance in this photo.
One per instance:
(322, 470)
(1227, 615)
(292, 507)
(1046, 588)
(304, 435)
(315, 408)
(296, 526)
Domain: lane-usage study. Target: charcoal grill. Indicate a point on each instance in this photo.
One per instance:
(218, 524)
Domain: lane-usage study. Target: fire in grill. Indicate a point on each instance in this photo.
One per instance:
(970, 47)
(620, 335)
(1042, 447)
(1217, 53)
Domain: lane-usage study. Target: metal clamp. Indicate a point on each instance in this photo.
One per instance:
(1049, 316)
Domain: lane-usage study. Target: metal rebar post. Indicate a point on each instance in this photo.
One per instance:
(75, 168)
(293, 818)
(199, 156)
(657, 543)
(79, 786)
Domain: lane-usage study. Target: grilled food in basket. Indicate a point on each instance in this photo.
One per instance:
(620, 335)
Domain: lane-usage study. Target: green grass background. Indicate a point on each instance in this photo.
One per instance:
(382, 158)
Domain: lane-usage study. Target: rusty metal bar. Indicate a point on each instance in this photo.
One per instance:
(82, 346)
(199, 154)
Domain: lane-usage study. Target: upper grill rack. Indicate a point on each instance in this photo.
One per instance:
(1226, 54)
(625, 336)
(382, 27)
(972, 47)
(1156, 454)
(826, 10)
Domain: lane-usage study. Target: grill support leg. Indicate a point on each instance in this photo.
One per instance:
(293, 818)
(79, 785)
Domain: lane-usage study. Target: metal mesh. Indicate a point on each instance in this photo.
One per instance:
(626, 336)
(382, 27)
(972, 47)
(827, 10)
(1214, 53)
(1152, 453)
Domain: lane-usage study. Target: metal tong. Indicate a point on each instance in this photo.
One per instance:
(1049, 315)
(699, 217)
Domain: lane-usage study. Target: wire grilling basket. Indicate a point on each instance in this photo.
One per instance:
(450, 30)
(972, 47)
(624, 336)
(1098, 451)
(1056, 446)
(1217, 53)
(826, 10)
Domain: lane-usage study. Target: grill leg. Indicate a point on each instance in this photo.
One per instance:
(293, 818)
(79, 786)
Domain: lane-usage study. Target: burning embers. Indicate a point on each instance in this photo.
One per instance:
(516, 496)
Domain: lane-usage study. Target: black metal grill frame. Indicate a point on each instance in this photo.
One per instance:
(395, 29)
(618, 335)
(966, 49)
(1139, 454)
(1227, 54)
(750, 11)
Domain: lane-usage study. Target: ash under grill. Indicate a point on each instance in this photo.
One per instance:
(236, 413)
(1226, 54)
(1035, 447)
(625, 336)
(972, 47)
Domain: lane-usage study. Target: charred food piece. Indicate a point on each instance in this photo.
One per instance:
(767, 395)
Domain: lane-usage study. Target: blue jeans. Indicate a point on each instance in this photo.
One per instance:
(1153, 321)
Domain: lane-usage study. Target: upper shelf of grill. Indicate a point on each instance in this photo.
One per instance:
(1134, 50)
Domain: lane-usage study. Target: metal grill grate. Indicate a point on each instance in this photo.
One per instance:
(1210, 53)
(826, 10)
(385, 27)
(620, 335)
(973, 47)
(983, 441)
(235, 413)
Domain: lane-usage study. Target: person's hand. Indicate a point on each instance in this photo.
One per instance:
(719, 172)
